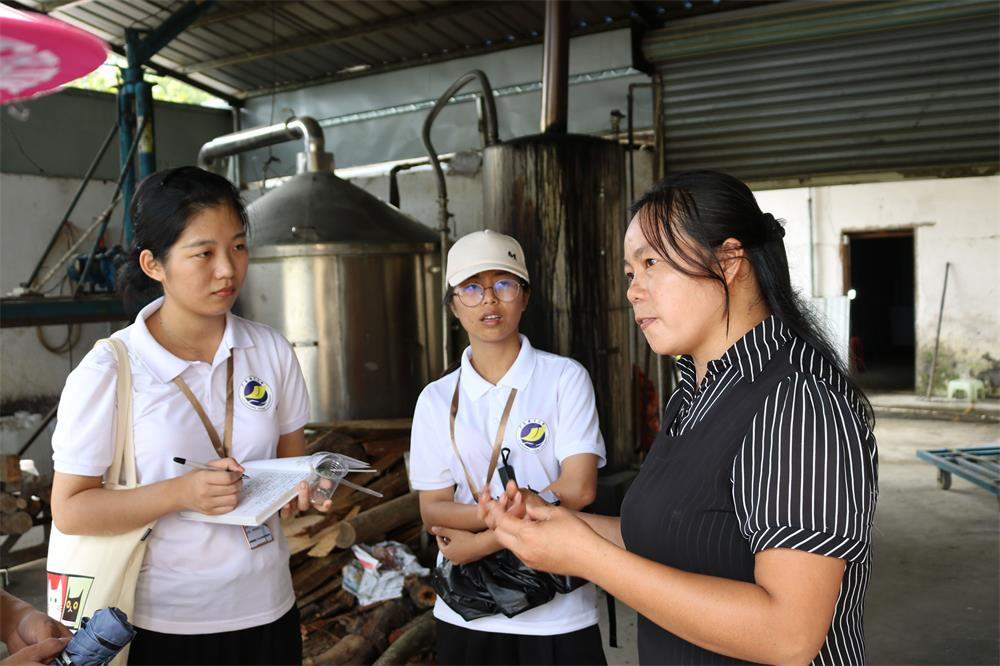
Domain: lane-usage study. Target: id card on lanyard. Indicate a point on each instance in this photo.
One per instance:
(255, 536)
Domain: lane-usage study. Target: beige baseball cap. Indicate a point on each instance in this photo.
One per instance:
(485, 251)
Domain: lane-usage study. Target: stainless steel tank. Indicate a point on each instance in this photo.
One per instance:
(354, 284)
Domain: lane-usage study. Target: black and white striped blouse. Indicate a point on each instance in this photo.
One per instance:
(806, 475)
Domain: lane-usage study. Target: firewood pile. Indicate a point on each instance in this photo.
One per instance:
(24, 503)
(335, 629)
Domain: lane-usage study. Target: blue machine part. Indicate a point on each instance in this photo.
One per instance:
(102, 276)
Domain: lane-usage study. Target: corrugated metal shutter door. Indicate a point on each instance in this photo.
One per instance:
(813, 92)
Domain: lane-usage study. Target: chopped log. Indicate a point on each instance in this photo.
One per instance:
(33, 506)
(421, 594)
(10, 469)
(351, 649)
(8, 503)
(407, 534)
(380, 447)
(295, 526)
(416, 636)
(317, 571)
(15, 522)
(379, 623)
(335, 605)
(363, 427)
(299, 544)
(378, 520)
(317, 643)
(335, 442)
(387, 461)
(326, 540)
(321, 592)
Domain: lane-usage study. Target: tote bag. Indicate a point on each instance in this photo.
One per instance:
(87, 573)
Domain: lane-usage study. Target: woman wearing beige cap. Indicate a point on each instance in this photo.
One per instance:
(532, 409)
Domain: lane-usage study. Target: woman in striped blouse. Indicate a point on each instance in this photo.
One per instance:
(746, 536)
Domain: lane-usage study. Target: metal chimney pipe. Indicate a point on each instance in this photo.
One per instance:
(555, 68)
(304, 128)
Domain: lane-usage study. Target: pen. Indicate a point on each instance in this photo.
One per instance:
(197, 465)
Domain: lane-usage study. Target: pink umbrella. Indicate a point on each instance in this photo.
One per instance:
(38, 54)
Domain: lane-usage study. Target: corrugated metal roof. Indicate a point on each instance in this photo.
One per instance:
(245, 48)
(810, 90)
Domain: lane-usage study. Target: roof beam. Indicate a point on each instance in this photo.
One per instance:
(223, 13)
(52, 5)
(300, 44)
(428, 60)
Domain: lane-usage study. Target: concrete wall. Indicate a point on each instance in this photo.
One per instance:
(62, 133)
(954, 220)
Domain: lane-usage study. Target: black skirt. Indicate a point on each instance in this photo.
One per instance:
(458, 646)
(279, 642)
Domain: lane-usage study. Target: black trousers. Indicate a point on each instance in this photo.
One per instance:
(279, 642)
(458, 646)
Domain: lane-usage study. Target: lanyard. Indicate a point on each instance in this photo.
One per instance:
(222, 446)
(496, 443)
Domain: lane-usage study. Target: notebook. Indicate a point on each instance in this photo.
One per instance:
(270, 486)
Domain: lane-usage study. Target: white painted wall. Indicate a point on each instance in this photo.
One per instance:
(30, 209)
(955, 220)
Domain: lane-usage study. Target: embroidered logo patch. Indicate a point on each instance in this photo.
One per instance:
(532, 434)
(255, 394)
(67, 596)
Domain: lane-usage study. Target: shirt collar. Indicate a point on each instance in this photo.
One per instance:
(516, 377)
(164, 365)
(752, 352)
(749, 354)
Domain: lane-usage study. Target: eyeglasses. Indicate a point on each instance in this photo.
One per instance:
(473, 294)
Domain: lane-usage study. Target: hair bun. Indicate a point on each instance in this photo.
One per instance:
(772, 225)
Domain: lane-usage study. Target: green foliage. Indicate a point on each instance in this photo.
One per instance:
(107, 78)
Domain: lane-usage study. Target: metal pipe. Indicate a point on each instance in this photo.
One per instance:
(236, 175)
(937, 338)
(126, 169)
(555, 68)
(72, 204)
(127, 140)
(491, 137)
(304, 127)
(38, 431)
(147, 144)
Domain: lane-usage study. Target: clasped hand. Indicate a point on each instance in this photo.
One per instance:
(544, 537)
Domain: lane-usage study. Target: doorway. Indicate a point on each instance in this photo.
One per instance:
(879, 267)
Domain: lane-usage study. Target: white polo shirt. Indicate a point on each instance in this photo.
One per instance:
(553, 418)
(197, 578)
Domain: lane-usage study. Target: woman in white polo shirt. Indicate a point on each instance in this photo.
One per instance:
(550, 437)
(207, 593)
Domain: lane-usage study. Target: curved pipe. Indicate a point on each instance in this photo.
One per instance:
(305, 128)
(491, 138)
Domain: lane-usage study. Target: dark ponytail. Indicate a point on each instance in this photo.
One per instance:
(162, 205)
(691, 214)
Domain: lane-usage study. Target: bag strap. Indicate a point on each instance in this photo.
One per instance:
(497, 442)
(124, 457)
(224, 445)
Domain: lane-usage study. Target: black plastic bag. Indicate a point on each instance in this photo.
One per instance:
(464, 592)
(498, 583)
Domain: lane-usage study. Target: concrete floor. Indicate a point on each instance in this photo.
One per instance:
(935, 591)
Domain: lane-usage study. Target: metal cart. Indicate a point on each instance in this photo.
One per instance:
(978, 464)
